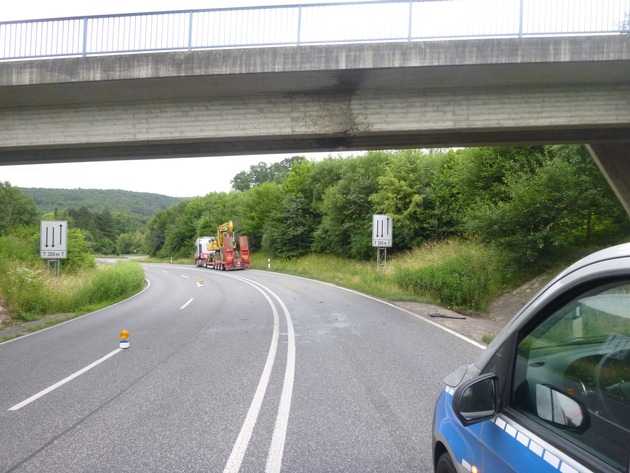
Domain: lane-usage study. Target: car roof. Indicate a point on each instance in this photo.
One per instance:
(613, 252)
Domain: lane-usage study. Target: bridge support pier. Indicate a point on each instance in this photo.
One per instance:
(613, 160)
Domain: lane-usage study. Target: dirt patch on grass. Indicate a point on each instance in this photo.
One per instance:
(506, 306)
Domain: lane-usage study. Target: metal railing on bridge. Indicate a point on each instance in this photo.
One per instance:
(315, 23)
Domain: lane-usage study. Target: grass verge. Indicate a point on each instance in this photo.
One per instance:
(31, 292)
(458, 274)
(462, 275)
(359, 275)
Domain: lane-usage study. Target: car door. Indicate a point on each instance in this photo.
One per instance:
(567, 402)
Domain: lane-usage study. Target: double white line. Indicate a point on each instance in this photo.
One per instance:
(276, 449)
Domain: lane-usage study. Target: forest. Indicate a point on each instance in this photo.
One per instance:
(535, 203)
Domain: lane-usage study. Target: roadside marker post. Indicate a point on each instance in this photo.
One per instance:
(124, 339)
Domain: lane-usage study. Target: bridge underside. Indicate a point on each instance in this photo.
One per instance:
(601, 139)
(326, 121)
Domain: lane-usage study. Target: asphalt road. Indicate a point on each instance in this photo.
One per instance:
(243, 371)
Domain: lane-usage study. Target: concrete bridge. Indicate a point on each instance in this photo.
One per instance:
(323, 97)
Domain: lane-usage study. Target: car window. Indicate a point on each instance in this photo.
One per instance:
(572, 373)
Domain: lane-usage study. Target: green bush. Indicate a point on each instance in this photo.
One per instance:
(15, 208)
(21, 244)
(466, 280)
(24, 290)
(79, 255)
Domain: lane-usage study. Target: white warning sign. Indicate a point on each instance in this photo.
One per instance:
(382, 231)
(53, 240)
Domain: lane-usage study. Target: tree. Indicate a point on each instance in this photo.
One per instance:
(289, 231)
(260, 204)
(15, 208)
(596, 207)
(345, 228)
(290, 224)
(129, 243)
(79, 254)
(155, 235)
(412, 192)
(550, 210)
(262, 172)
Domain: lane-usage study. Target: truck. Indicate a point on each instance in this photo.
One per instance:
(202, 250)
(225, 252)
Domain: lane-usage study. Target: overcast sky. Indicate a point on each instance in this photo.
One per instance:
(177, 177)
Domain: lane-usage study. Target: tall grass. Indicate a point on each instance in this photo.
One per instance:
(465, 279)
(30, 291)
(359, 275)
(460, 274)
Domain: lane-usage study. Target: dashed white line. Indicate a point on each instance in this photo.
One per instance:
(235, 460)
(185, 276)
(58, 384)
(187, 303)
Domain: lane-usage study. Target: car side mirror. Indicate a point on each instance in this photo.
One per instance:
(475, 400)
(559, 409)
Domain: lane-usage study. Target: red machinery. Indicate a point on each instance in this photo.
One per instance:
(224, 253)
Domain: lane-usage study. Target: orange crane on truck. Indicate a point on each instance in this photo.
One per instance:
(226, 252)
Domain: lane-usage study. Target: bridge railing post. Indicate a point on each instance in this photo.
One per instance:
(190, 26)
(85, 35)
(409, 26)
(521, 8)
(299, 26)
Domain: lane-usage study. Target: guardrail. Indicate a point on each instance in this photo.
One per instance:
(295, 25)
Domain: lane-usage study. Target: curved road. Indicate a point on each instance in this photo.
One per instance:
(243, 371)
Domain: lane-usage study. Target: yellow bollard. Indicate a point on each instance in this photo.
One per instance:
(124, 339)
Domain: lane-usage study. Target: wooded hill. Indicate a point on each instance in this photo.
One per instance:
(141, 204)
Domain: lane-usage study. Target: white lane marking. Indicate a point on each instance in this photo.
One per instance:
(233, 464)
(419, 317)
(58, 384)
(80, 317)
(185, 276)
(278, 439)
(452, 332)
(187, 303)
(199, 283)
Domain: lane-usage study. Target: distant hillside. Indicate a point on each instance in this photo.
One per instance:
(141, 204)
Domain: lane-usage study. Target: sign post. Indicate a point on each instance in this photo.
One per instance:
(53, 242)
(382, 237)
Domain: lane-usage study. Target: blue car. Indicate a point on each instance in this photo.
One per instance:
(552, 391)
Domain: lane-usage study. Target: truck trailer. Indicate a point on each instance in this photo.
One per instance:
(225, 252)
